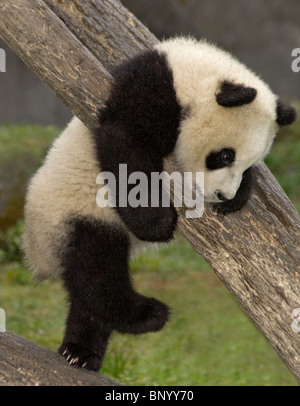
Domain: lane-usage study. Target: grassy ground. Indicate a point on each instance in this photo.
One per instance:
(208, 341)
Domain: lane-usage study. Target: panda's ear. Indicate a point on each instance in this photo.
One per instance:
(286, 115)
(234, 95)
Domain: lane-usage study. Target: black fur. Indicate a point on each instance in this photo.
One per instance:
(241, 196)
(139, 127)
(234, 95)
(286, 115)
(102, 299)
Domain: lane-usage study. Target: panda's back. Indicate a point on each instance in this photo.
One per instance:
(64, 187)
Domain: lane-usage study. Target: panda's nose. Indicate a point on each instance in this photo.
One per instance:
(221, 197)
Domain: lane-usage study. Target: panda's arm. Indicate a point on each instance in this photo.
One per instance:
(147, 223)
(241, 196)
(139, 127)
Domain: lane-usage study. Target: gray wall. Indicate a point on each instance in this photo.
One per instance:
(262, 33)
(24, 98)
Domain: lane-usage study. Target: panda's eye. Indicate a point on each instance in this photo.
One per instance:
(221, 159)
(225, 157)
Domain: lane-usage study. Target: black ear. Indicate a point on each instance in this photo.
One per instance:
(234, 95)
(286, 115)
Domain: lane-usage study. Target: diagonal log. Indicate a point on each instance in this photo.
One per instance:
(72, 45)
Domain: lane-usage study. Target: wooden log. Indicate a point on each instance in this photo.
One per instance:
(93, 22)
(256, 252)
(23, 363)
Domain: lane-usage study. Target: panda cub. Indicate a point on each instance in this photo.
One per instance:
(184, 99)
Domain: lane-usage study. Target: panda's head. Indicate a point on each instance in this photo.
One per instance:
(231, 116)
(196, 102)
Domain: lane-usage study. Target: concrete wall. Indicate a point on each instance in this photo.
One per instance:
(262, 33)
(24, 98)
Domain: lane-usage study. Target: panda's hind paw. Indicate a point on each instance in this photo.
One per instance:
(145, 315)
(151, 315)
(77, 355)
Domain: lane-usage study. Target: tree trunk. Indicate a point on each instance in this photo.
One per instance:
(256, 252)
(108, 30)
(23, 363)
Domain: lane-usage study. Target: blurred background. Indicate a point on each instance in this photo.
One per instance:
(261, 33)
(209, 341)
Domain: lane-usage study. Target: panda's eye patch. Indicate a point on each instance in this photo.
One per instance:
(221, 159)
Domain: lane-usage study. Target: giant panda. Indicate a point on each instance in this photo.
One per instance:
(184, 99)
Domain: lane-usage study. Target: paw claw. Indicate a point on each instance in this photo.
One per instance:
(77, 355)
(74, 360)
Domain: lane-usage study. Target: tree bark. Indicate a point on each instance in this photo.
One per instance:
(108, 30)
(23, 363)
(256, 252)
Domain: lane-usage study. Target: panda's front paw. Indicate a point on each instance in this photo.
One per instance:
(79, 356)
(241, 197)
(155, 224)
(230, 206)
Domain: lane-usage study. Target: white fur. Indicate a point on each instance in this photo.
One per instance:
(64, 186)
(66, 183)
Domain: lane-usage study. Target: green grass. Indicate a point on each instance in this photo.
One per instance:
(33, 139)
(22, 149)
(208, 341)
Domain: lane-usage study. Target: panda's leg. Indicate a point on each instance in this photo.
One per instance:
(102, 299)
